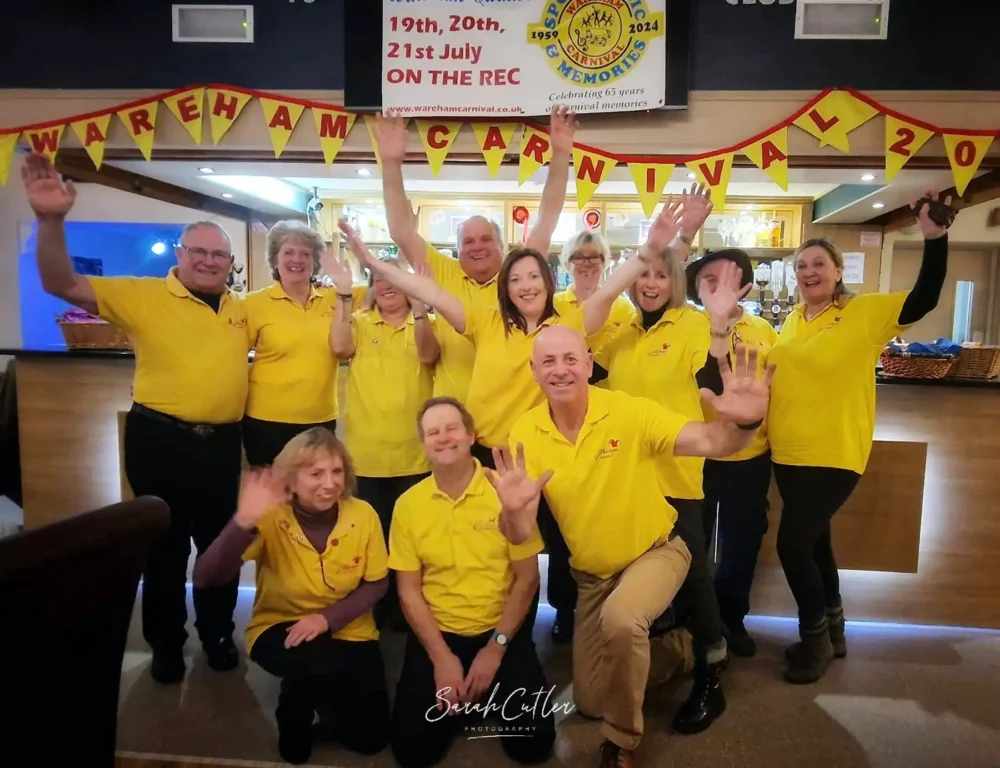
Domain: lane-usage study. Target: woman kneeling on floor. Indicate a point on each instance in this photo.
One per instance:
(321, 566)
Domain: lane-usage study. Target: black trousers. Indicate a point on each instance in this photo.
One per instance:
(342, 680)
(811, 497)
(198, 477)
(382, 493)
(736, 497)
(421, 735)
(263, 440)
(696, 604)
(561, 589)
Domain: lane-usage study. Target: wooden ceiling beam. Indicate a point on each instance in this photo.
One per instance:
(982, 189)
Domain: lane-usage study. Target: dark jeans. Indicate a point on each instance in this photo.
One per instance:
(263, 440)
(421, 735)
(343, 680)
(696, 604)
(382, 493)
(737, 491)
(199, 478)
(561, 589)
(811, 497)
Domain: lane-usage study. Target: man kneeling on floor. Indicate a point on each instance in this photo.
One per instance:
(593, 453)
(465, 591)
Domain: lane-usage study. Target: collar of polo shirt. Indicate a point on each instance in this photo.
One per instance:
(177, 288)
(277, 291)
(476, 486)
(671, 315)
(377, 315)
(598, 407)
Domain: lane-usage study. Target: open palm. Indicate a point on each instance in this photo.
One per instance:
(561, 129)
(339, 270)
(697, 206)
(516, 489)
(390, 135)
(745, 395)
(664, 227)
(356, 244)
(721, 298)
(47, 195)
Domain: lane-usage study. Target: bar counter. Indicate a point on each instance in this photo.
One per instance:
(919, 540)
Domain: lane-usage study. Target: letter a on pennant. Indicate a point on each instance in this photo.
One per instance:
(223, 109)
(187, 108)
(536, 151)
(965, 153)
(650, 179)
(714, 173)
(770, 154)
(140, 122)
(494, 141)
(281, 117)
(332, 127)
(45, 141)
(7, 143)
(437, 139)
(590, 170)
(93, 135)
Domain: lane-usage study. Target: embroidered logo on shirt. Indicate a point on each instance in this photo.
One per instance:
(609, 450)
(239, 322)
(486, 525)
(661, 351)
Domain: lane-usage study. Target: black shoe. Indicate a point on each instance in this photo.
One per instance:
(811, 656)
(562, 627)
(222, 654)
(168, 667)
(706, 702)
(295, 742)
(738, 640)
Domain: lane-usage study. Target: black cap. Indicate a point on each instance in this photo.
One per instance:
(731, 254)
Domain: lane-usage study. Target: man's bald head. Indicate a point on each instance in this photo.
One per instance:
(561, 363)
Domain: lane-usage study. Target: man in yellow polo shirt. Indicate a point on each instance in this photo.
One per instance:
(466, 592)
(594, 453)
(182, 435)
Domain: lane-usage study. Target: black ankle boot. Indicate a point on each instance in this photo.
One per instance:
(811, 656)
(738, 640)
(295, 742)
(706, 702)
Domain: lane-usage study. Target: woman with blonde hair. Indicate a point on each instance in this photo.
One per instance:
(321, 566)
(587, 257)
(821, 419)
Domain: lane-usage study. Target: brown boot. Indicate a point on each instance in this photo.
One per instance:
(812, 657)
(613, 756)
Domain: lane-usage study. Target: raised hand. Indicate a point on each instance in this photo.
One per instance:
(744, 395)
(261, 490)
(306, 629)
(561, 130)
(720, 298)
(697, 206)
(663, 230)
(338, 269)
(933, 215)
(357, 245)
(390, 135)
(515, 488)
(47, 195)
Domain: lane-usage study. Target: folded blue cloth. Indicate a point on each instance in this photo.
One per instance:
(939, 348)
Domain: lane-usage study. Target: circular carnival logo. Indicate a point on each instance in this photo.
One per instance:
(595, 42)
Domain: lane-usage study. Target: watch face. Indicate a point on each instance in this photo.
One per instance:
(500, 638)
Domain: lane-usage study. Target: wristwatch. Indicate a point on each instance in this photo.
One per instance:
(500, 638)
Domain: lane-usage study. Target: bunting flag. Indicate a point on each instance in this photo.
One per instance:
(223, 109)
(45, 141)
(902, 141)
(93, 135)
(833, 117)
(650, 179)
(965, 153)
(437, 138)
(370, 125)
(770, 154)
(281, 117)
(332, 127)
(187, 108)
(494, 141)
(140, 122)
(536, 151)
(714, 173)
(7, 143)
(591, 169)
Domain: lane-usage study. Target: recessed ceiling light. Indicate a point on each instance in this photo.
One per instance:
(868, 177)
(206, 170)
(692, 176)
(878, 205)
(227, 195)
(364, 172)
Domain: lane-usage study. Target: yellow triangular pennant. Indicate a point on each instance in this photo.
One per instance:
(370, 125)
(8, 141)
(187, 108)
(281, 117)
(902, 141)
(140, 122)
(223, 109)
(770, 154)
(45, 141)
(965, 153)
(714, 173)
(650, 179)
(833, 117)
(536, 151)
(332, 125)
(437, 138)
(494, 141)
(591, 170)
(93, 135)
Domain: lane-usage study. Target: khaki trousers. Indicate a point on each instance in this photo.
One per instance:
(611, 637)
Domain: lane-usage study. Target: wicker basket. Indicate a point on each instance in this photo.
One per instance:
(93, 335)
(976, 363)
(912, 367)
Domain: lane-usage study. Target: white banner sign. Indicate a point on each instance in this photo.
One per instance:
(522, 57)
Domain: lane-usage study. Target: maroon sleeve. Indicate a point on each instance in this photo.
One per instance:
(359, 602)
(221, 562)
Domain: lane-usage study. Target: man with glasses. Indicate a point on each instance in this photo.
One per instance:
(182, 434)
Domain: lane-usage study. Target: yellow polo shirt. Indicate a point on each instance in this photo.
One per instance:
(453, 372)
(386, 386)
(294, 580)
(622, 311)
(190, 362)
(456, 544)
(503, 386)
(293, 378)
(661, 364)
(605, 492)
(752, 332)
(822, 409)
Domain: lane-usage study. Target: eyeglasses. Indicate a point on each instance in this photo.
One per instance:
(201, 253)
(587, 261)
